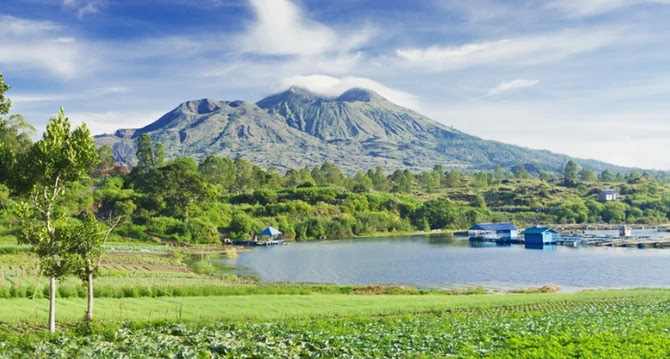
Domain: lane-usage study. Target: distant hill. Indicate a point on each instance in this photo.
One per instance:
(357, 130)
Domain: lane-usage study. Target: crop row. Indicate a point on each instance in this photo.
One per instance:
(615, 328)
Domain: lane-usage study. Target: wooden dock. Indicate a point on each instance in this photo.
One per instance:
(268, 243)
(626, 242)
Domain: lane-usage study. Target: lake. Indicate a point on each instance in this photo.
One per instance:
(448, 263)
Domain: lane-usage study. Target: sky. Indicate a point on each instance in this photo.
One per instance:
(588, 78)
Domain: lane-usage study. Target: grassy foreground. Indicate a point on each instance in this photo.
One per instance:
(263, 307)
(598, 324)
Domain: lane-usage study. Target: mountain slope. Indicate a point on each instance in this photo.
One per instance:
(357, 130)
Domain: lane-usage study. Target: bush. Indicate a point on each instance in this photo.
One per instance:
(202, 231)
(167, 226)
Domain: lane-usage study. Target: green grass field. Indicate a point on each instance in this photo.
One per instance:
(263, 307)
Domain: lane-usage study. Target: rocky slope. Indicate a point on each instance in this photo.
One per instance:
(357, 130)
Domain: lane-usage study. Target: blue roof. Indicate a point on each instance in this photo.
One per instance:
(493, 227)
(270, 231)
(538, 230)
(608, 191)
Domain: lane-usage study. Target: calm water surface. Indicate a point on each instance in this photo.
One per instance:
(439, 262)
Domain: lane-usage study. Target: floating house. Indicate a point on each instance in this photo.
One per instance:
(538, 236)
(268, 237)
(625, 231)
(493, 232)
(607, 195)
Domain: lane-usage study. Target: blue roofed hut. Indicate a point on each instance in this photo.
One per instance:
(273, 234)
(270, 232)
(538, 236)
(493, 231)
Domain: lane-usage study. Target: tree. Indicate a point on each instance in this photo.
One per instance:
(177, 185)
(159, 155)
(59, 159)
(15, 141)
(453, 179)
(218, 171)
(586, 175)
(246, 175)
(520, 172)
(607, 176)
(106, 155)
(332, 174)
(144, 154)
(402, 181)
(438, 213)
(361, 183)
(498, 174)
(428, 181)
(570, 172)
(380, 181)
(480, 179)
(5, 103)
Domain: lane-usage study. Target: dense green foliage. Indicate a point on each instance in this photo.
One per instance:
(603, 327)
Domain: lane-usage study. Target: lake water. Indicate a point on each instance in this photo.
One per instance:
(440, 262)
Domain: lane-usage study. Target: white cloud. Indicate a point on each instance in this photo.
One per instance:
(39, 47)
(85, 7)
(515, 84)
(334, 86)
(13, 26)
(281, 28)
(513, 51)
(107, 122)
(586, 8)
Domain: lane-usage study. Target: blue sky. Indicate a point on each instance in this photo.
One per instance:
(589, 78)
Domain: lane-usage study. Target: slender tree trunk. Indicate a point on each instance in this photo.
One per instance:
(89, 310)
(52, 305)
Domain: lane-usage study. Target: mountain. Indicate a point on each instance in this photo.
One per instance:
(357, 130)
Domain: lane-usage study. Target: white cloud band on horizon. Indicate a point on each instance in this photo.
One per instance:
(525, 50)
(586, 8)
(516, 84)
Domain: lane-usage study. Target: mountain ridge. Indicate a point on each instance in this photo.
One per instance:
(358, 130)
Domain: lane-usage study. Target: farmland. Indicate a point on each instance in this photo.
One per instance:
(632, 323)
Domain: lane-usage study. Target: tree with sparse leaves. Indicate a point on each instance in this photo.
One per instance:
(62, 157)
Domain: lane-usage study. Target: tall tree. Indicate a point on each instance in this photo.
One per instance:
(63, 156)
(88, 238)
(144, 154)
(159, 155)
(498, 174)
(246, 175)
(570, 172)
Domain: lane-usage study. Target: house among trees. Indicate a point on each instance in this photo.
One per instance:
(607, 195)
(538, 236)
(493, 231)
